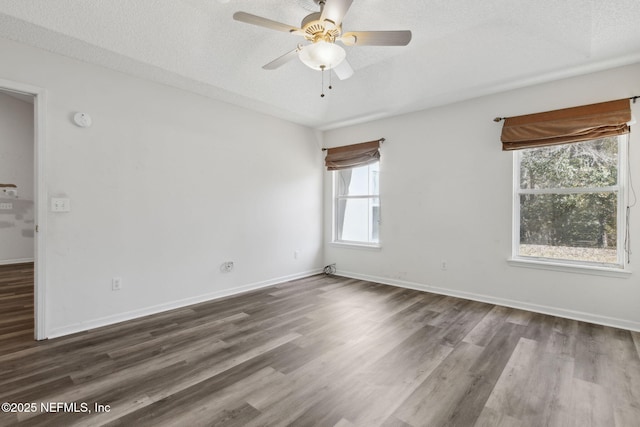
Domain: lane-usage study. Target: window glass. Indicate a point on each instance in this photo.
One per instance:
(568, 201)
(357, 205)
(579, 227)
(582, 164)
(358, 181)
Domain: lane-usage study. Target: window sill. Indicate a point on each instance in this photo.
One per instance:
(350, 245)
(570, 268)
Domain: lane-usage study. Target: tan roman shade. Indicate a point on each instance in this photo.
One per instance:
(352, 156)
(567, 125)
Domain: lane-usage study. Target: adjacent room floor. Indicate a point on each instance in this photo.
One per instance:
(16, 307)
(329, 351)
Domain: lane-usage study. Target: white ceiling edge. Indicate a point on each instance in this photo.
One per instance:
(43, 38)
(46, 39)
(469, 94)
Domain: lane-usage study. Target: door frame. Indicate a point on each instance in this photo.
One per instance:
(40, 200)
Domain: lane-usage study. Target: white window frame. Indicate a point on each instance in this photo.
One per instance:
(620, 268)
(335, 241)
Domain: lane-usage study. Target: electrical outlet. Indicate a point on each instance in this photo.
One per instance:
(296, 254)
(6, 206)
(443, 265)
(116, 283)
(60, 205)
(226, 267)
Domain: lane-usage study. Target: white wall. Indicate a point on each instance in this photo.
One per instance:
(164, 187)
(446, 195)
(16, 167)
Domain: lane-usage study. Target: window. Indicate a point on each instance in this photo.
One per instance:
(357, 205)
(569, 202)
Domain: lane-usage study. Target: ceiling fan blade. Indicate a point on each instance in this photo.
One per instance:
(343, 70)
(278, 62)
(264, 22)
(334, 10)
(376, 38)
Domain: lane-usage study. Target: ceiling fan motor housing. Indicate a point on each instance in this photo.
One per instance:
(316, 30)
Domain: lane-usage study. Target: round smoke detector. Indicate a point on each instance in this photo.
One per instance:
(82, 120)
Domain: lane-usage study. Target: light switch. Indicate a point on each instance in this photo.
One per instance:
(60, 205)
(6, 206)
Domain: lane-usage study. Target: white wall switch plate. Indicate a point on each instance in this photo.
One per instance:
(60, 205)
(116, 283)
(6, 206)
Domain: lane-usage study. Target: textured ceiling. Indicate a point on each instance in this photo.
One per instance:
(460, 49)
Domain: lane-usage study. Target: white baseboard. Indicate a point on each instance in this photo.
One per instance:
(15, 261)
(130, 315)
(553, 311)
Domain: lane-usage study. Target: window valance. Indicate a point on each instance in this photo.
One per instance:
(353, 156)
(567, 125)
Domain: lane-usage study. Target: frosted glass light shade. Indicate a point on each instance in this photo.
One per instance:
(322, 53)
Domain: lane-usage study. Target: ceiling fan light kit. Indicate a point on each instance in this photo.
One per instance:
(322, 55)
(322, 30)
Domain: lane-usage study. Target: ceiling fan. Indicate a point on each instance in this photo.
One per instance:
(323, 29)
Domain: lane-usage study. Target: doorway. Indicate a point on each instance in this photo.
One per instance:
(23, 202)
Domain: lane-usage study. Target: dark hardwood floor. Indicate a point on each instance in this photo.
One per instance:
(329, 351)
(16, 307)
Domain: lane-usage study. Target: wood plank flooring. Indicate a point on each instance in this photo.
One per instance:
(16, 306)
(331, 351)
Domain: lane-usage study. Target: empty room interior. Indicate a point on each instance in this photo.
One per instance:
(319, 213)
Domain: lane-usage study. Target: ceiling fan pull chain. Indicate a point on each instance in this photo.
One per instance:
(322, 88)
(330, 87)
